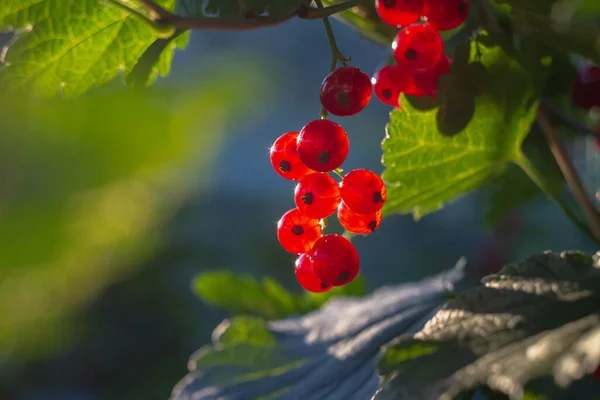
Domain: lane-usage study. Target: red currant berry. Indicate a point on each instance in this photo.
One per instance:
(285, 159)
(426, 83)
(334, 260)
(597, 373)
(399, 12)
(586, 90)
(389, 82)
(363, 191)
(296, 232)
(444, 15)
(317, 195)
(358, 223)
(346, 91)
(323, 145)
(306, 276)
(418, 46)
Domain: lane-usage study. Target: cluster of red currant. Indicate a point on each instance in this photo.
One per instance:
(418, 47)
(308, 156)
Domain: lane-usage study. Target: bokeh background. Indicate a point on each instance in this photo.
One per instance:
(110, 206)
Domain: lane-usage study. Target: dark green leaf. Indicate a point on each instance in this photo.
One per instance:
(539, 317)
(486, 109)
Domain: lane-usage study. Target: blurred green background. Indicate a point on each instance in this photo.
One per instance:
(110, 205)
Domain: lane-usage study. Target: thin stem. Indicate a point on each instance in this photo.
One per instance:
(338, 172)
(317, 13)
(560, 117)
(133, 11)
(538, 179)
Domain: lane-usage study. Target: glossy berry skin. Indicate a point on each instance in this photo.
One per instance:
(323, 145)
(426, 83)
(418, 47)
(306, 276)
(334, 260)
(317, 195)
(444, 15)
(358, 223)
(346, 91)
(399, 12)
(586, 90)
(285, 159)
(363, 191)
(389, 82)
(296, 232)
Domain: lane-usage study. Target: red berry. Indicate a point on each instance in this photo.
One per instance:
(317, 195)
(306, 276)
(334, 260)
(426, 83)
(358, 223)
(363, 191)
(285, 159)
(586, 90)
(399, 12)
(597, 372)
(296, 232)
(389, 82)
(346, 91)
(444, 15)
(418, 46)
(323, 145)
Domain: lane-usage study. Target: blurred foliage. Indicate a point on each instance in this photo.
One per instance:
(265, 298)
(86, 188)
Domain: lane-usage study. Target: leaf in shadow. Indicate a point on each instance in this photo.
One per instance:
(330, 353)
(539, 317)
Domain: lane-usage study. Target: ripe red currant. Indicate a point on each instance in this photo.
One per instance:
(426, 83)
(296, 232)
(444, 15)
(334, 260)
(389, 82)
(285, 159)
(586, 90)
(346, 91)
(418, 46)
(399, 12)
(323, 145)
(358, 223)
(306, 276)
(363, 191)
(317, 195)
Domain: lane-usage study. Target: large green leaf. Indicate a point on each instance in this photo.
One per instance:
(265, 298)
(536, 318)
(87, 187)
(486, 108)
(68, 46)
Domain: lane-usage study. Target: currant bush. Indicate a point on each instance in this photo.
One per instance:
(346, 91)
(399, 12)
(317, 195)
(296, 232)
(363, 191)
(323, 145)
(306, 276)
(334, 260)
(285, 159)
(418, 46)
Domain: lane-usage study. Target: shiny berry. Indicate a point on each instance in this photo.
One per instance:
(389, 82)
(296, 232)
(346, 91)
(306, 276)
(317, 195)
(285, 159)
(323, 145)
(444, 15)
(334, 260)
(358, 223)
(418, 46)
(363, 191)
(426, 83)
(399, 12)
(586, 90)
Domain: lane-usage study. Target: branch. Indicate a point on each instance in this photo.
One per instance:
(569, 172)
(318, 13)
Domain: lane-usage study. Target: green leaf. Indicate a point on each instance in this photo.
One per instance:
(68, 46)
(265, 298)
(536, 318)
(486, 108)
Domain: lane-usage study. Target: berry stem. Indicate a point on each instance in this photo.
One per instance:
(338, 172)
(537, 178)
(322, 12)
